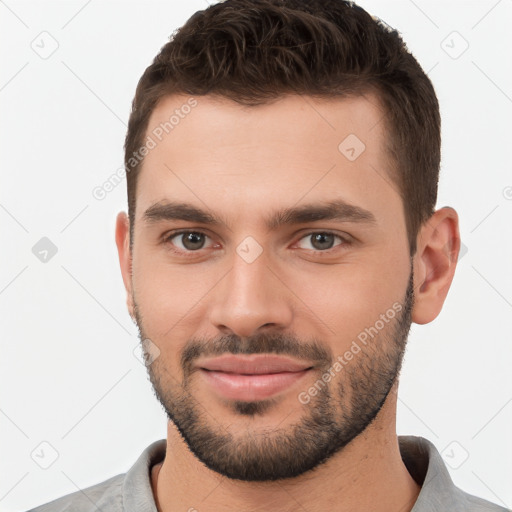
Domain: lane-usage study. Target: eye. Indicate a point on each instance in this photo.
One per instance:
(187, 240)
(320, 241)
(193, 241)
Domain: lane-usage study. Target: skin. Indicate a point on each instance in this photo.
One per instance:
(242, 164)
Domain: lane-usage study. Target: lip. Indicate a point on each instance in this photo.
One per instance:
(251, 378)
(256, 364)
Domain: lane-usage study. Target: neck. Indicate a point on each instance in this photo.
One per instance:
(368, 474)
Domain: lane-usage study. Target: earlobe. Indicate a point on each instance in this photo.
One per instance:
(125, 257)
(434, 263)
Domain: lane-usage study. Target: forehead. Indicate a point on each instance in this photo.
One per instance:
(218, 154)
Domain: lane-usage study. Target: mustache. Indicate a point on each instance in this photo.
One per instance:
(263, 343)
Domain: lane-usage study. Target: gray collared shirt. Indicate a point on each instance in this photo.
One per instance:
(131, 491)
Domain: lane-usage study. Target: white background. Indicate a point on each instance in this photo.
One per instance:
(68, 371)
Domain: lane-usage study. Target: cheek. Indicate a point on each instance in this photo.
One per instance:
(349, 298)
(168, 296)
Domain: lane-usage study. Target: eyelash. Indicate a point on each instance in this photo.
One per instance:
(169, 236)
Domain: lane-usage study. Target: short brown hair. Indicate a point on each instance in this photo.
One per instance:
(254, 51)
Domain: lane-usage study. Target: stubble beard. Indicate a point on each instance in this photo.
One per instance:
(341, 410)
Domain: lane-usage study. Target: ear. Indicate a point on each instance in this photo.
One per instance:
(438, 245)
(125, 257)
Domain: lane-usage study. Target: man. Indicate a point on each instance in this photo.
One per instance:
(282, 165)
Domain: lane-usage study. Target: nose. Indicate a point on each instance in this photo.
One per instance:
(251, 298)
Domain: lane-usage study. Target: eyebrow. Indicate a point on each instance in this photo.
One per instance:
(333, 210)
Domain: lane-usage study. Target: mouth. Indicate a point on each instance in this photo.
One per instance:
(252, 378)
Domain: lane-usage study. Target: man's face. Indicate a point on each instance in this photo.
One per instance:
(316, 288)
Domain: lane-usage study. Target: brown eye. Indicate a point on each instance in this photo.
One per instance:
(193, 241)
(188, 240)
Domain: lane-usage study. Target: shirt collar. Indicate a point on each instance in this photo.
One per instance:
(426, 466)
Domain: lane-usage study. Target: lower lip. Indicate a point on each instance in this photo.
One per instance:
(236, 386)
